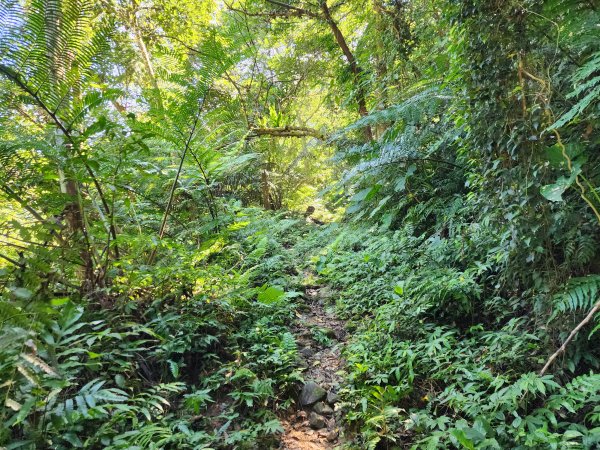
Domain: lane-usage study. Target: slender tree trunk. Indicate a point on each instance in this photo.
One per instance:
(163, 225)
(73, 210)
(264, 183)
(357, 71)
(141, 45)
(380, 65)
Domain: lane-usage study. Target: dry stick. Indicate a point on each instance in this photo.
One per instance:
(161, 231)
(573, 333)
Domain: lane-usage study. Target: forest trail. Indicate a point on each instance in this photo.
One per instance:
(315, 424)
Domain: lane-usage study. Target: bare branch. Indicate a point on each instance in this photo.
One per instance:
(286, 132)
(573, 333)
(12, 261)
(299, 11)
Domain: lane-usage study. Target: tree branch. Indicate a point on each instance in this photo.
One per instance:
(299, 11)
(13, 195)
(286, 132)
(12, 261)
(357, 71)
(573, 333)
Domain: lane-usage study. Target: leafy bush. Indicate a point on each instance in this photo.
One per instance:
(169, 362)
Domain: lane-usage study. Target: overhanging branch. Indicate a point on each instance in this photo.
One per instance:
(298, 11)
(296, 132)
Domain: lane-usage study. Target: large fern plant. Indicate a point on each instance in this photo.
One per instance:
(413, 137)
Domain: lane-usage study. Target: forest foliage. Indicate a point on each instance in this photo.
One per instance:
(158, 157)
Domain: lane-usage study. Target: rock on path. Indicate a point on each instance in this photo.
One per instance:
(313, 426)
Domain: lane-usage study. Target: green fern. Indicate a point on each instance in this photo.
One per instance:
(424, 103)
(414, 139)
(579, 294)
(579, 24)
(580, 250)
(92, 400)
(12, 315)
(48, 52)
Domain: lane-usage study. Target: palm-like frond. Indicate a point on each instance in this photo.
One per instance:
(580, 294)
(586, 82)
(48, 49)
(410, 111)
(410, 135)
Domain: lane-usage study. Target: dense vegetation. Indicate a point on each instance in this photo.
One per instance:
(157, 160)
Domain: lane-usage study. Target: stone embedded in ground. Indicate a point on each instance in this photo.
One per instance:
(323, 409)
(307, 352)
(332, 435)
(311, 393)
(316, 421)
(332, 397)
(301, 415)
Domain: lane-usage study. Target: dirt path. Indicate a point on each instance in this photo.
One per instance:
(315, 424)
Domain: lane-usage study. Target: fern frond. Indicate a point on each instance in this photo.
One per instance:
(586, 85)
(579, 294)
(410, 111)
(50, 47)
(11, 315)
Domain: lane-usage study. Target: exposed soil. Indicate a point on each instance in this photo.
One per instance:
(320, 336)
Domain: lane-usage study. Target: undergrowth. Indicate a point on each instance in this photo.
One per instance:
(194, 352)
(444, 352)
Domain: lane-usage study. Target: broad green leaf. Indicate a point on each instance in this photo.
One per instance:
(462, 439)
(360, 196)
(271, 295)
(22, 293)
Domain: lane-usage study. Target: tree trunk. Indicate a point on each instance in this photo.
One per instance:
(264, 183)
(73, 210)
(354, 67)
(141, 45)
